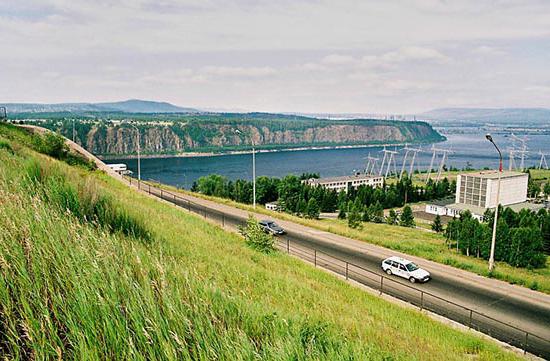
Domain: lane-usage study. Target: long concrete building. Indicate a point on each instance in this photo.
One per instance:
(347, 182)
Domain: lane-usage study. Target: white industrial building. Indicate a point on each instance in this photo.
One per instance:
(347, 182)
(477, 192)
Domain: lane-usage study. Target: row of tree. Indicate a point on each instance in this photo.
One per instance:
(296, 196)
(358, 213)
(523, 238)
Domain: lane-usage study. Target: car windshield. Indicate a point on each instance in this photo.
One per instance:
(411, 267)
(273, 225)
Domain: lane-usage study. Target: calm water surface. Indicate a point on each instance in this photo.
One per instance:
(468, 149)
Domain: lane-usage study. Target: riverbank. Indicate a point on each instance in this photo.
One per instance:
(249, 151)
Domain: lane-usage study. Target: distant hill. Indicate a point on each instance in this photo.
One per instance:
(500, 116)
(127, 106)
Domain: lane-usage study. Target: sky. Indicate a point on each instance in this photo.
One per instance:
(312, 56)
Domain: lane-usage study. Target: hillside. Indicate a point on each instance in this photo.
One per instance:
(127, 106)
(91, 269)
(175, 134)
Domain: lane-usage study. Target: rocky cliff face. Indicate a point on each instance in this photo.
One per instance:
(179, 138)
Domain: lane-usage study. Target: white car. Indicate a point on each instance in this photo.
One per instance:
(404, 268)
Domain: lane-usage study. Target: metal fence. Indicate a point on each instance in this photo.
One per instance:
(526, 341)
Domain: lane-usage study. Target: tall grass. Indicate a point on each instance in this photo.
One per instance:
(82, 201)
(71, 289)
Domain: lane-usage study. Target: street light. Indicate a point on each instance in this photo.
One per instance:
(492, 255)
(138, 152)
(253, 169)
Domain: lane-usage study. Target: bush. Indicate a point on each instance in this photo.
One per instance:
(6, 146)
(52, 144)
(256, 237)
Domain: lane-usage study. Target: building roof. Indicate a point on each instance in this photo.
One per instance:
(493, 174)
(343, 178)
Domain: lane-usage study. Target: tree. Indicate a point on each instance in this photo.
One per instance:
(312, 209)
(354, 217)
(526, 248)
(377, 213)
(437, 226)
(256, 237)
(407, 218)
(342, 212)
(533, 189)
(392, 217)
(546, 189)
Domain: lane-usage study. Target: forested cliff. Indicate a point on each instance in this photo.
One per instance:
(225, 132)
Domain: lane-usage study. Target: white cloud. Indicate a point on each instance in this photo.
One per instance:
(307, 55)
(415, 53)
(337, 59)
(486, 50)
(237, 71)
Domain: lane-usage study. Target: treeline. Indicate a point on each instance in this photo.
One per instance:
(522, 238)
(296, 197)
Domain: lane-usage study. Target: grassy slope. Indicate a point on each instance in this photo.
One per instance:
(414, 242)
(72, 290)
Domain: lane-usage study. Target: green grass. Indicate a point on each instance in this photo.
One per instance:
(415, 242)
(73, 289)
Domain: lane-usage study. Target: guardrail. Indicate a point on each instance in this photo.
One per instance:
(526, 341)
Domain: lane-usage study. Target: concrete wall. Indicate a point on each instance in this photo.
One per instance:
(512, 190)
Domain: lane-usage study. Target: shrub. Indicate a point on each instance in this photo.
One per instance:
(256, 237)
(6, 146)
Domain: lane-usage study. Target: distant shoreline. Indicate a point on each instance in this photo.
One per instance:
(249, 151)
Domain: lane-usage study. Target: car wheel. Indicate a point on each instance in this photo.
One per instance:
(412, 279)
(388, 271)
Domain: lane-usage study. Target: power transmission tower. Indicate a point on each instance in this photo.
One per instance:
(444, 156)
(383, 161)
(408, 150)
(391, 159)
(512, 161)
(371, 165)
(442, 163)
(542, 160)
(522, 150)
(434, 154)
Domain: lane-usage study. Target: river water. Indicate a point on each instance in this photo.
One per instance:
(467, 150)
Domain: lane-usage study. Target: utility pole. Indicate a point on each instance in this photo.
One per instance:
(253, 169)
(138, 150)
(3, 114)
(493, 239)
(73, 132)
(253, 175)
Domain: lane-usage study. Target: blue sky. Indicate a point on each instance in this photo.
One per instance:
(402, 56)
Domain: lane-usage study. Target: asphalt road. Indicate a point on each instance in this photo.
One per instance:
(444, 295)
